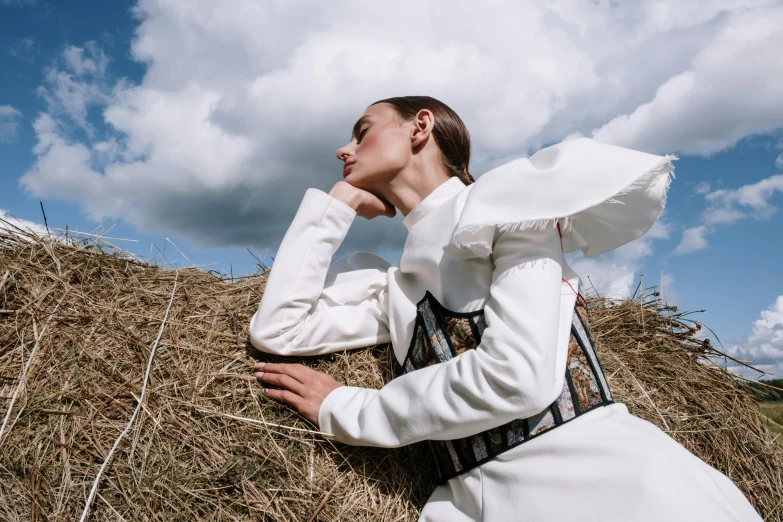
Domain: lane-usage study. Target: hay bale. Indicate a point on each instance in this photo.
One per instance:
(207, 445)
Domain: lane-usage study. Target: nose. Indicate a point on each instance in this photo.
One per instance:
(344, 152)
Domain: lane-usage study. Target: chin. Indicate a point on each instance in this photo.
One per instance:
(366, 180)
(356, 180)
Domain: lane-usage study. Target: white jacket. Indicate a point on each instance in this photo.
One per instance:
(514, 271)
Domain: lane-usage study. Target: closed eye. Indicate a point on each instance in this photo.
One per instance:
(361, 135)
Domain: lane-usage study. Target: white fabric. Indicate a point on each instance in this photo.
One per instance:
(300, 313)
(606, 465)
(604, 195)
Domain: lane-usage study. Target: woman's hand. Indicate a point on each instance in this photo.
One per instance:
(366, 204)
(304, 388)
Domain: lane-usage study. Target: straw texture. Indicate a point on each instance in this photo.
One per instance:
(78, 322)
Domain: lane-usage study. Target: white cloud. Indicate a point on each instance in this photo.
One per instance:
(9, 123)
(80, 84)
(763, 348)
(241, 109)
(722, 215)
(726, 93)
(754, 197)
(702, 188)
(727, 206)
(614, 274)
(692, 240)
(779, 162)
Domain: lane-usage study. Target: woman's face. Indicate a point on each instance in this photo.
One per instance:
(380, 147)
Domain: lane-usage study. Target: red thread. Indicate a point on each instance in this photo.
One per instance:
(572, 288)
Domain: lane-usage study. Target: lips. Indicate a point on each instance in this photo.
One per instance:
(347, 167)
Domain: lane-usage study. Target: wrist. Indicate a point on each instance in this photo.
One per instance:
(349, 198)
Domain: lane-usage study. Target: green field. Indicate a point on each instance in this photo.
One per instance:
(774, 411)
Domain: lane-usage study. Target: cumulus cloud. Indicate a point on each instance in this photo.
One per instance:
(692, 240)
(763, 348)
(76, 85)
(731, 72)
(753, 200)
(727, 206)
(779, 162)
(242, 108)
(9, 123)
(614, 273)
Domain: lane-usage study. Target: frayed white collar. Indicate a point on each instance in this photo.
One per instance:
(602, 195)
(433, 200)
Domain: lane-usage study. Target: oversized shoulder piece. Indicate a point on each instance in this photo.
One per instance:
(603, 196)
(440, 334)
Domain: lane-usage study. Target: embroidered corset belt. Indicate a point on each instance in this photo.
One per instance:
(440, 334)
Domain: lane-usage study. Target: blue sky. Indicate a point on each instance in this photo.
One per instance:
(205, 124)
(33, 37)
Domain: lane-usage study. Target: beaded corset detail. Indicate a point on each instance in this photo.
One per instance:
(440, 334)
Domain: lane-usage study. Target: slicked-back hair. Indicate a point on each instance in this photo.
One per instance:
(451, 135)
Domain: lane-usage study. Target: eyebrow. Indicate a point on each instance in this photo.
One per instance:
(358, 125)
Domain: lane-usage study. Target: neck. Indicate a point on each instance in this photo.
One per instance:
(411, 185)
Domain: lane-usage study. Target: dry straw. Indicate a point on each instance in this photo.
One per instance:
(78, 324)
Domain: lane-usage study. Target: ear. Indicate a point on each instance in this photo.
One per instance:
(423, 123)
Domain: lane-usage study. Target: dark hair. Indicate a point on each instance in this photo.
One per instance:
(450, 133)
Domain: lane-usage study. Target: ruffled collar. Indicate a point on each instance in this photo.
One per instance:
(603, 195)
(434, 199)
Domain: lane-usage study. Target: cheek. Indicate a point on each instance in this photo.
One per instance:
(369, 142)
(384, 149)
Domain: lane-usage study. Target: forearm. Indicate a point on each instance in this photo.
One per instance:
(297, 276)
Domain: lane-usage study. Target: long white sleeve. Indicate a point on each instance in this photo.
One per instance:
(516, 371)
(310, 306)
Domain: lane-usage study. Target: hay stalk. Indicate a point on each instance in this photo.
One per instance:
(140, 401)
(25, 371)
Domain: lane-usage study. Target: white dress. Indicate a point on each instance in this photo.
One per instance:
(606, 465)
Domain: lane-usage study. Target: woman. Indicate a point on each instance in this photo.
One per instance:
(483, 315)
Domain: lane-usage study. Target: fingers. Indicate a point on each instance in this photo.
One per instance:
(301, 387)
(282, 380)
(299, 372)
(308, 409)
(285, 396)
(371, 205)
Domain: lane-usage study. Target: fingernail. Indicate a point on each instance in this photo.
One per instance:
(259, 375)
(260, 365)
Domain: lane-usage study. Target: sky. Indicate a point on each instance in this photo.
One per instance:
(189, 130)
